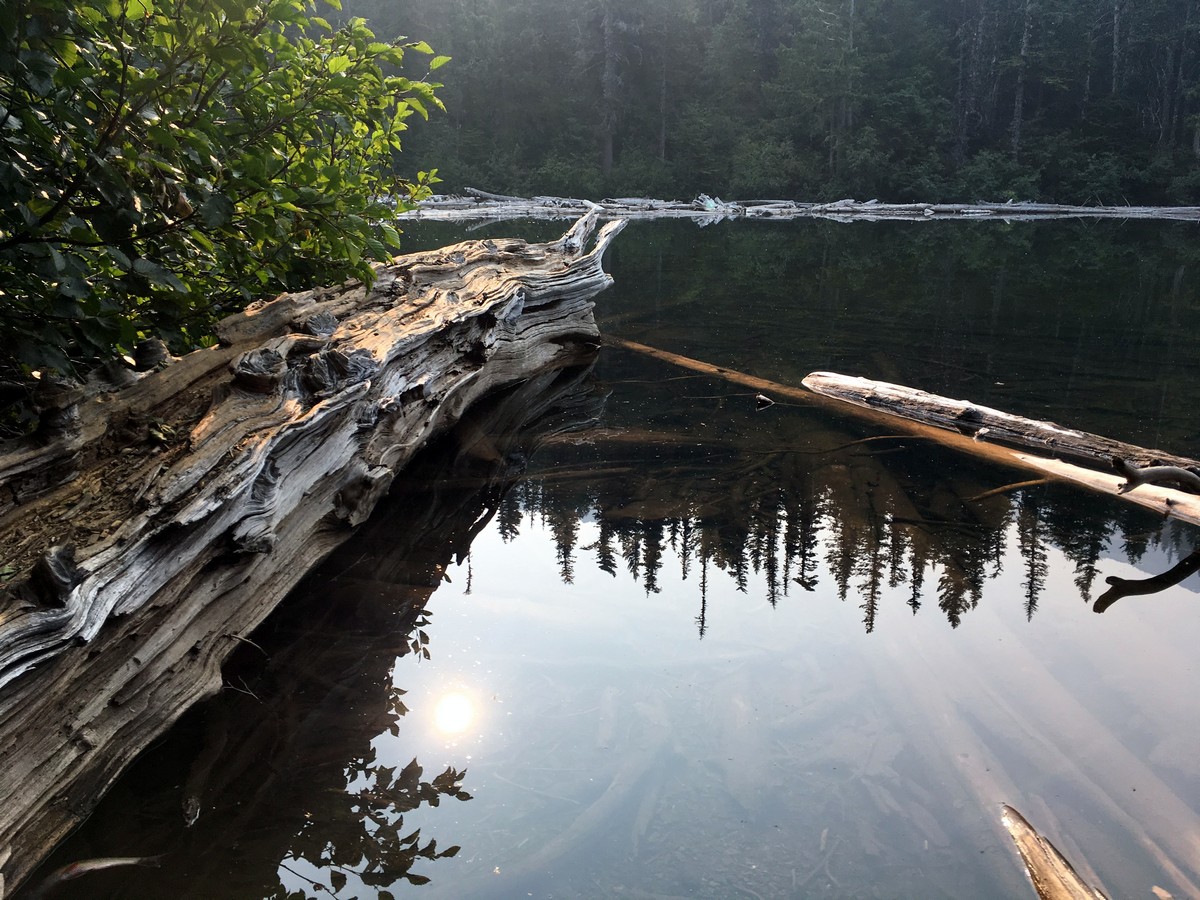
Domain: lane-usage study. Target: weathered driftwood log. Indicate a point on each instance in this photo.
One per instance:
(966, 430)
(707, 210)
(269, 756)
(143, 541)
(1063, 453)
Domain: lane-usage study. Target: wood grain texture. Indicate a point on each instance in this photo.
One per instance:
(144, 541)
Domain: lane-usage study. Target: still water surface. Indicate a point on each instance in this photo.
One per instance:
(622, 635)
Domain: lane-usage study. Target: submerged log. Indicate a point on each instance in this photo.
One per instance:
(141, 543)
(1053, 877)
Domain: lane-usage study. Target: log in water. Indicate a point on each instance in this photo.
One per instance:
(157, 523)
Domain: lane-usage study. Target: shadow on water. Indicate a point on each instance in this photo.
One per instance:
(277, 776)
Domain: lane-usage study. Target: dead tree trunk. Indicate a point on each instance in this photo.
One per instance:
(1062, 453)
(163, 520)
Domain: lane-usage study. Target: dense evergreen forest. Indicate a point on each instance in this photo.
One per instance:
(1078, 101)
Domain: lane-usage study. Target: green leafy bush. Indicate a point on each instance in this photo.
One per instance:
(164, 161)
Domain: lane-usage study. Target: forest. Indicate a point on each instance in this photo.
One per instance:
(1074, 101)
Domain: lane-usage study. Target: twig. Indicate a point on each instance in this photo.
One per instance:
(1015, 486)
(821, 866)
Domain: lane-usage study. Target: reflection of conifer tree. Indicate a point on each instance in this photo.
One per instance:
(808, 528)
(631, 550)
(702, 619)
(564, 525)
(951, 594)
(1177, 538)
(687, 544)
(1135, 534)
(606, 557)
(508, 516)
(1033, 550)
(918, 552)
(897, 573)
(1081, 528)
(842, 556)
(917, 583)
(652, 550)
(733, 545)
(790, 515)
(873, 587)
(767, 549)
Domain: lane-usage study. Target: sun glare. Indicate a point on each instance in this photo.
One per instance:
(454, 713)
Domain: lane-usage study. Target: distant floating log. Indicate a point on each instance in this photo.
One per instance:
(158, 522)
(1062, 453)
(479, 205)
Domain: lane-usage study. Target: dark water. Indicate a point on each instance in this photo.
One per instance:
(622, 635)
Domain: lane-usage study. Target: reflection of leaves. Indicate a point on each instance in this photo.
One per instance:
(368, 837)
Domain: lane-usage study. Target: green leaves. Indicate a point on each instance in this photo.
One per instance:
(159, 167)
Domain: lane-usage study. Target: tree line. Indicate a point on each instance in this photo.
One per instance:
(1076, 101)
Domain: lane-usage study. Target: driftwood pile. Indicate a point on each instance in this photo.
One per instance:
(152, 523)
(476, 205)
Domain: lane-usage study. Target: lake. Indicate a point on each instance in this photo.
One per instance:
(625, 634)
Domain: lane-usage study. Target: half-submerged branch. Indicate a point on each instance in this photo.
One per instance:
(1132, 587)
(158, 523)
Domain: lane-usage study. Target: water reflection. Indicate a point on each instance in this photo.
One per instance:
(797, 496)
(894, 640)
(277, 788)
(454, 713)
(1128, 587)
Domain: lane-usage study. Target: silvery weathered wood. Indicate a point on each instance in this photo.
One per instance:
(1058, 452)
(704, 210)
(143, 540)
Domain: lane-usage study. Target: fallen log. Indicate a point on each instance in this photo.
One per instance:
(976, 431)
(270, 755)
(704, 210)
(1063, 453)
(158, 523)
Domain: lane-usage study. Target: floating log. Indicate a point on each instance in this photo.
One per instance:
(974, 429)
(1063, 453)
(704, 210)
(148, 537)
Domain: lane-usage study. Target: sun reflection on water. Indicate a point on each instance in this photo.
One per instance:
(454, 713)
